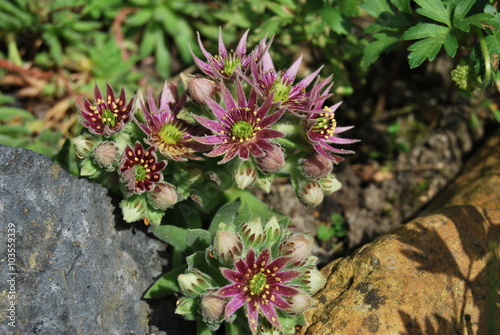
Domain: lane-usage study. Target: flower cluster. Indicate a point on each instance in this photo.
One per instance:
(241, 118)
(260, 269)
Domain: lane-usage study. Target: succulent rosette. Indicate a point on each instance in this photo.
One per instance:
(322, 130)
(260, 271)
(107, 115)
(242, 128)
(171, 136)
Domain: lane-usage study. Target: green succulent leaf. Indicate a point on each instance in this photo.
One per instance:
(198, 239)
(166, 284)
(226, 214)
(172, 235)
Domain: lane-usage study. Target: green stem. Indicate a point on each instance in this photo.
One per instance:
(486, 57)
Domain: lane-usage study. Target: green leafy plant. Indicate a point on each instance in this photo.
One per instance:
(466, 30)
(336, 228)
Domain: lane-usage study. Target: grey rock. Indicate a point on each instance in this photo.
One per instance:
(77, 268)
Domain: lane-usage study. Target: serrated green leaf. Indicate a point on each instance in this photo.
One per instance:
(175, 236)
(335, 20)
(383, 43)
(402, 5)
(460, 8)
(198, 239)
(493, 45)
(424, 30)
(478, 20)
(434, 9)
(450, 44)
(226, 214)
(427, 48)
(376, 8)
(166, 284)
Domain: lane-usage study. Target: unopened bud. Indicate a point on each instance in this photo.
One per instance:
(273, 161)
(162, 196)
(313, 281)
(198, 88)
(330, 184)
(273, 230)
(311, 193)
(252, 232)
(106, 155)
(194, 282)
(297, 247)
(316, 166)
(83, 145)
(89, 169)
(187, 307)
(264, 182)
(244, 175)
(212, 307)
(133, 208)
(300, 302)
(227, 245)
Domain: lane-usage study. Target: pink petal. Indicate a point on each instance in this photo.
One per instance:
(222, 47)
(278, 264)
(230, 290)
(339, 130)
(233, 305)
(270, 314)
(220, 150)
(209, 124)
(232, 275)
(283, 290)
(253, 316)
(269, 133)
(243, 152)
(242, 266)
(228, 101)
(218, 111)
(279, 302)
(210, 140)
(271, 119)
(263, 258)
(241, 49)
(256, 150)
(286, 276)
(205, 52)
(289, 76)
(230, 155)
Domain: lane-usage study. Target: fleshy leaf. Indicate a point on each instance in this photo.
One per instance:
(225, 214)
(166, 284)
(198, 239)
(172, 235)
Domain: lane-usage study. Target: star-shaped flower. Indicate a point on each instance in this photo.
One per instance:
(225, 64)
(242, 128)
(108, 115)
(172, 136)
(139, 168)
(322, 129)
(259, 285)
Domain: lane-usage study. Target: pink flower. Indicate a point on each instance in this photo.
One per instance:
(242, 128)
(172, 136)
(322, 129)
(225, 64)
(108, 115)
(139, 168)
(259, 285)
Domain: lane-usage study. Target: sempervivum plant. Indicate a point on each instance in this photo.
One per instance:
(256, 274)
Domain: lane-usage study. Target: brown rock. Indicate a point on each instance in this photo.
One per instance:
(438, 274)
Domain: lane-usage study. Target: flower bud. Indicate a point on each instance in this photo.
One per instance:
(213, 177)
(194, 282)
(273, 230)
(212, 307)
(313, 281)
(311, 193)
(133, 208)
(227, 245)
(264, 183)
(106, 155)
(162, 196)
(198, 88)
(187, 307)
(83, 145)
(244, 175)
(89, 169)
(297, 247)
(300, 302)
(252, 232)
(330, 184)
(316, 166)
(273, 161)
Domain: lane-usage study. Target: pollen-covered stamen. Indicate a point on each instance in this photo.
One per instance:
(325, 123)
(108, 117)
